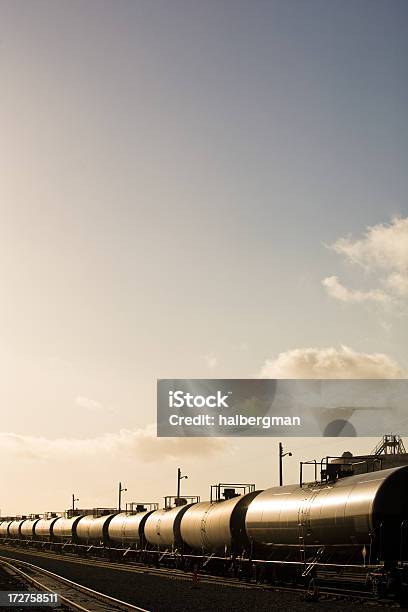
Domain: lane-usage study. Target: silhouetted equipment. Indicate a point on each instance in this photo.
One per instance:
(281, 456)
(121, 490)
(390, 445)
(179, 479)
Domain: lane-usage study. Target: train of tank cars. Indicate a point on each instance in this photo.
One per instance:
(357, 522)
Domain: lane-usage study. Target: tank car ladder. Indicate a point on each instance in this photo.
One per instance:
(208, 559)
(303, 511)
(163, 555)
(301, 534)
(310, 564)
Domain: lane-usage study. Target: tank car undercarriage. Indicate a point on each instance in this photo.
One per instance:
(329, 569)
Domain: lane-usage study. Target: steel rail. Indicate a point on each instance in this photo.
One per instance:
(332, 592)
(329, 591)
(139, 567)
(91, 593)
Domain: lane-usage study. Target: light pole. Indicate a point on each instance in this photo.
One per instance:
(281, 456)
(121, 489)
(179, 479)
(74, 499)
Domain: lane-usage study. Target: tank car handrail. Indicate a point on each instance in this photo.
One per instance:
(135, 507)
(217, 490)
(173, 501)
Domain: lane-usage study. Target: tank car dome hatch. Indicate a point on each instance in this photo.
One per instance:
(350, 512)
(230, 493)
(346, 457)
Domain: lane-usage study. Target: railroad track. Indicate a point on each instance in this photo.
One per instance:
(325, 592)
(72, 595)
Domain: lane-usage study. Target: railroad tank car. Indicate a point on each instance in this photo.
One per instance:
(350, 512)
(93, 530)
(14, 530)
(27, 528)
(217, 527)
(128, 528)
(64, 529)
(162, 527)
(4, 526)
(43, 529)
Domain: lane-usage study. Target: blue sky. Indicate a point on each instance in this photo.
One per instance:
(173, 175)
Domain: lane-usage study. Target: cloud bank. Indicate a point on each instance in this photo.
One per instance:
(383, 253)
(338, 291)
(139, 444)
(331, 363)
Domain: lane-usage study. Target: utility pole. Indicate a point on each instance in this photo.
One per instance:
(281, 456)
(74, 499)
(179, 479)
(121, 489)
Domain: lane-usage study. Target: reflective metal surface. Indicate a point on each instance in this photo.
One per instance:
(4, 528)
(162, 527)
(65, 528)
(43, 529)
(92, 530)
(213, 527)
(346, 512)
(14, 528)
(27, 528)
(127, 528)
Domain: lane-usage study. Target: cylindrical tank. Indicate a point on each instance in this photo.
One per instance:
(349, 512)
(4, 528)
(43, 530)
(217, 527)
(162, 527)
(64, 529)
(15, 527)
(27, 529)
(127, 529)
(93, 530)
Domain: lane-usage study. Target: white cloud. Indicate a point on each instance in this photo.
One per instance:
(140, 444)
(382, 247)
(88, 404)
(331, 363)
(382, 252)
(398, 283)
(336, 290)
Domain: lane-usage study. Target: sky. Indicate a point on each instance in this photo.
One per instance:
(191, 190)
